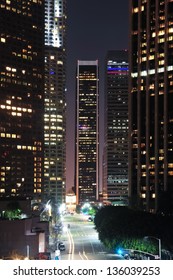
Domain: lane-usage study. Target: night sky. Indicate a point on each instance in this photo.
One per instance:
(93, 28)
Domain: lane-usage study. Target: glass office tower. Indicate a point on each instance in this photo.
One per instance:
(115, 183)
(150, 103)
(87, 132)
(55, 101)
(21, 98)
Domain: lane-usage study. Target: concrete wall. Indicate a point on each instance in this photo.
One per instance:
(23, 237)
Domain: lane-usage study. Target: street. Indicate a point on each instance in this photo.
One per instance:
(81, 240)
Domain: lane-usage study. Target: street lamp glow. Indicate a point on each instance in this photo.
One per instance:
(49, 208)
(159, 240)
(62, 208)
(86, 205)
(119, 251)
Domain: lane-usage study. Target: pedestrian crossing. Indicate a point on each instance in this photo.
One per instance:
(79, 234)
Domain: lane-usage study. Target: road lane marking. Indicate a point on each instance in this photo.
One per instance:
(85, 255)
(71, 247)
(72, 241)
(80, 255)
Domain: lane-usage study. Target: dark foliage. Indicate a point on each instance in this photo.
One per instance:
(126, 227)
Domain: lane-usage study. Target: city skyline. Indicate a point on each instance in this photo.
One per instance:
(90, 40)
(114, 121)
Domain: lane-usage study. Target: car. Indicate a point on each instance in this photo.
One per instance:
(61, 246)
(90, 219)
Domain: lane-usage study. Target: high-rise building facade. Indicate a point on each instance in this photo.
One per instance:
(21, 98)
(150, 103)
(87, 132)
(55, 101)
(115, 172)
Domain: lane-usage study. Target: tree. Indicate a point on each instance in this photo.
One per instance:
(13, 210)
(120, 226)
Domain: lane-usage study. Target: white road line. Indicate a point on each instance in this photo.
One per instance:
(71, 248)
(85, 255)
(80, 255)
(70, 245)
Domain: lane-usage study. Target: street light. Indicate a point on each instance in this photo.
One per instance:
(62, 208)
(147, 237)
(47, 208)
(27, 251)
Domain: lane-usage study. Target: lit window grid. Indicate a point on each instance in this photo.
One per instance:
(13, 75)
(87, 130)
(157, 74)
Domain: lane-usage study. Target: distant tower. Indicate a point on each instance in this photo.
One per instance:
(55, 101)
(21, 98)
(115, 166)
(151, 103)
(87, 132)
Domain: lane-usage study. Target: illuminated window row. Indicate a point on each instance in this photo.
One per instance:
(13, 108)
(15, 81)
(19, 147)
(52, 135)
(9, 135)
(52, 120)
(17, 10)
(55, 179)
(143, 195)
(3, 40)
(53, 116)
(37, 191)
(152, 71)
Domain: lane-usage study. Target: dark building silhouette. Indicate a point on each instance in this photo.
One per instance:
(150, 103)
(87, 132)
(21, 98)
(115, 166)
(24, 238)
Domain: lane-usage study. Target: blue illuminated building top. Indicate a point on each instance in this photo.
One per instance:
(118, 68)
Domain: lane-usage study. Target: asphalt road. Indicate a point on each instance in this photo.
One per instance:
(81, 240)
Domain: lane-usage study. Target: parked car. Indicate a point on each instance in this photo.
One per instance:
(61, 246)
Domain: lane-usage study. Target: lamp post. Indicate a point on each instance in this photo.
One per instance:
(159, 240)
(27, 251)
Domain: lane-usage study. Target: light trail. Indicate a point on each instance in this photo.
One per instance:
(83, 255)
(80, 255)
(71, 245)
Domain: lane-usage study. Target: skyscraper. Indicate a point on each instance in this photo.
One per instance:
(21, 98)
(115, 172)
(87, 132)
(150, 103)
(55, 101)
